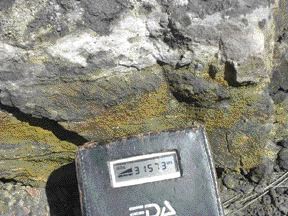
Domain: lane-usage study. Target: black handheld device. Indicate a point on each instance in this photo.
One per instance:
(165, 174)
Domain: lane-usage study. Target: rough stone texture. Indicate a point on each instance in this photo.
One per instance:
(41, 66)
(283, 159)
(16, 199)
(193, 90)
(273, 203)
(261, 172)
(283, 143)
(73, 71)
(29, 153)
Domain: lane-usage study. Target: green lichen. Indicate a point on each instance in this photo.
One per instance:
(241, 109)
(281, 121)
(131, 117)
(28, 153)
(158, 111)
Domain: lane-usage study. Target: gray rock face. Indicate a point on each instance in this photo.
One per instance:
(99, 15)
(262, 171)
(284, 143)
(283, 159)
(186, 87)
(279, 80)
(226, 27)
(121, 42)
(55, 90)
(5, 4)
(236, 182)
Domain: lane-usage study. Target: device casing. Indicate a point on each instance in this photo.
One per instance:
(195, 193)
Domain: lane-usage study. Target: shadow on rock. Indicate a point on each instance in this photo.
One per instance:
(45, 123)
(62, 192)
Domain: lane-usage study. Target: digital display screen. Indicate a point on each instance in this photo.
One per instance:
(144, 168)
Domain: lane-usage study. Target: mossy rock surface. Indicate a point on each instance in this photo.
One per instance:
(72, 72)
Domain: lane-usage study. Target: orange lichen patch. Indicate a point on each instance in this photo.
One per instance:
(139, 115)
(154, 111)
(241, 139)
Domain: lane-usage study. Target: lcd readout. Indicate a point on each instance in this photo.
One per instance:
(144, 169)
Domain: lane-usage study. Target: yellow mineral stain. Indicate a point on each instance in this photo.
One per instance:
(31, 167)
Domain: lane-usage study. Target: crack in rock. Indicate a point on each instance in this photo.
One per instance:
(47, 124)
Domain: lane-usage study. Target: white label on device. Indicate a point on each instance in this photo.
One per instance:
(144, 168)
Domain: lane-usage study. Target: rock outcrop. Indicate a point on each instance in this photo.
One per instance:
(73, 71)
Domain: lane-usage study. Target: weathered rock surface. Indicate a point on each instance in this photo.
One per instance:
(16, 199)
(263, 171)
(189, 88)
(48, 74)
(273, 203)
(283, 143)
(73, 71)
(283, 159)
(29, 153)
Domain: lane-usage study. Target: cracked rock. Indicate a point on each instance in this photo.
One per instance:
(98, 42)
(186, 87)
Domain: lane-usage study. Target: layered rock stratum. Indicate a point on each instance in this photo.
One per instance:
(73, 71)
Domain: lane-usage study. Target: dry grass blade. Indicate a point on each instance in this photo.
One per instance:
(257, 196)
(231, 200)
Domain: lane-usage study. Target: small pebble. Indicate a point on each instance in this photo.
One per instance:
(266, 200)
(59, 29)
